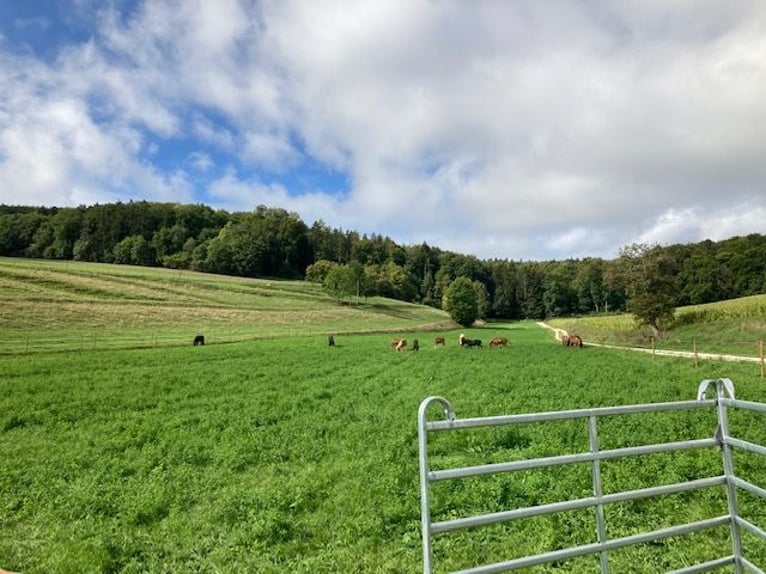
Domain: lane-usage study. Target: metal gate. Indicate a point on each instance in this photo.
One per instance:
(724, 399)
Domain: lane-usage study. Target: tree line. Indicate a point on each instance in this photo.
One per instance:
(272, 242)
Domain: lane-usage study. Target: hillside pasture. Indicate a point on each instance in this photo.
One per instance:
(286, 455)
(64, 305)
(736, 327)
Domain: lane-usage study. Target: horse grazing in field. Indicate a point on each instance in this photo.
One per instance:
(399, 344)
(331, 341)
(199, 340)
(465, 342)
(499, 342)
(572, 341)
(439, 341)
(415, 345)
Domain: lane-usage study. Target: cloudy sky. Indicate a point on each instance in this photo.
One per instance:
(513, 129)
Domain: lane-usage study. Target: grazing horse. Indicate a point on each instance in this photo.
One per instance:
(498, 342)
(415, 345)
(199, 340)
(395, 342)
(439, 341)
(465, 342)
(331, 341)
(401, 345)
(572, 341)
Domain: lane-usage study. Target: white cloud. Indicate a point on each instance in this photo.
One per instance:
(520, 130)
(694, 223)
(266, 149)
(237, 194)
(200, 161)
(54, 152)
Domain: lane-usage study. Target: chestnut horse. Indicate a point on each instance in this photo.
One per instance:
(399, 344)
(439, 341)
(498, 342)
(572, 341)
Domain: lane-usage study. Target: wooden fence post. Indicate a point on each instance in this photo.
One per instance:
(760, 352)
(696, 356)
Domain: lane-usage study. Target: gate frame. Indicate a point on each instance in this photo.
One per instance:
(724, 397)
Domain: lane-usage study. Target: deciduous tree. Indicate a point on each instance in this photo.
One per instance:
(650, 283)
(461, 301)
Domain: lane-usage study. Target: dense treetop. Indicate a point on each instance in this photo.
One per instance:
(272, 242)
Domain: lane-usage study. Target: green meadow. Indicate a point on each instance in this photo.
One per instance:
(277, 453)
(66, 305)
(736, 327)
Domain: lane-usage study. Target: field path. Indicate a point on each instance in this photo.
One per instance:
(559, 333)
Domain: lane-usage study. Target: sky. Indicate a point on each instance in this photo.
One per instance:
(520, 130)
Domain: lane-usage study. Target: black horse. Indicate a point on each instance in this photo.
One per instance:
(466, 342)
(199, 340)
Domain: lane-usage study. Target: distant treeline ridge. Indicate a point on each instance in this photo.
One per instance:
(272, 242)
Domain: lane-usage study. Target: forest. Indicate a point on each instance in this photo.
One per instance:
(275, 243)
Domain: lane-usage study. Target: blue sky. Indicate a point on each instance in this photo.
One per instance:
(519, 130)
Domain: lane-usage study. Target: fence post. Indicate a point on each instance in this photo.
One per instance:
(425, 512)
(728, 471)
(760, 352)
(696, 356)
(598, 492)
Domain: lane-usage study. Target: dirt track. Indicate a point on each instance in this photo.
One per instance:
(662, 352)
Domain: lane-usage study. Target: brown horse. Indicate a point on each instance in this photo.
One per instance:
(439, 341)
(395, 342)
(401, 345)
(499, 342)
(572, 341)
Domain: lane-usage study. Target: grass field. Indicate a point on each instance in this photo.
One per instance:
(66, 305)
(736, 327)
(282, 454)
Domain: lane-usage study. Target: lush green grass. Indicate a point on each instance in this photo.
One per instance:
(286, 455)
(65, 305)
(129, 450)
(735, 327)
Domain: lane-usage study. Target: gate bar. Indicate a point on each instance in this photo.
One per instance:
(598, 493)
(745, 445)
(751, 488)
(723, 436)
(585, 549)
(529, 464)
(705, 566)
(578, 504)
(476, 422)
(722, 439)
(425, 511)
(752, 528)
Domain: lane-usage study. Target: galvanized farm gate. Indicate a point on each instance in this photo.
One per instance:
(724, 399)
